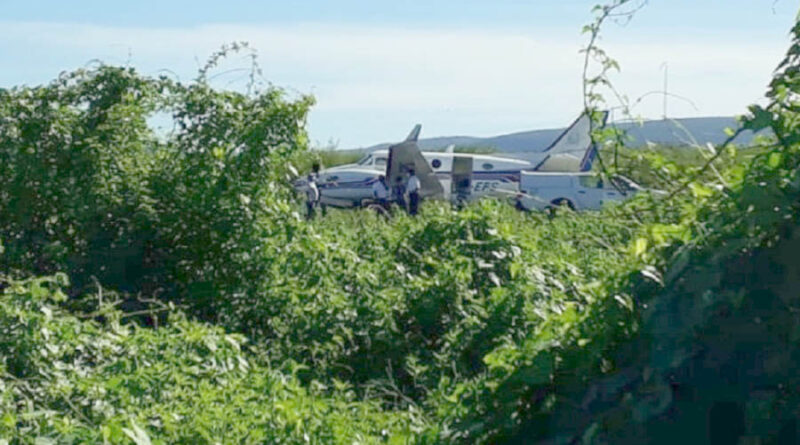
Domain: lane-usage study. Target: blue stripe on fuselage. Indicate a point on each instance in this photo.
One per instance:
(504, 176)
(364, 183)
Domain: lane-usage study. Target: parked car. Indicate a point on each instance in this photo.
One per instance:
(578, 191)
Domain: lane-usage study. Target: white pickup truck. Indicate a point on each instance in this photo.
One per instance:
(578, 191)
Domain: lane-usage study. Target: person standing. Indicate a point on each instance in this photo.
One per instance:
(315, 172)
(312, 196)
(380, 191)
(399, 193)
(413, 192)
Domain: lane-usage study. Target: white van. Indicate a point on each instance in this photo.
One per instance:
(578, 191)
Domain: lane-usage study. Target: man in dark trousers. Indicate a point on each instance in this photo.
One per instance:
(399, 193)
(413, 192)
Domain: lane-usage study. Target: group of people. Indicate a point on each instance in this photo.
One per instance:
(385, 195)
(381, 192)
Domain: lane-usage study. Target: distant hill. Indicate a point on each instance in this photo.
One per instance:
(678, 132)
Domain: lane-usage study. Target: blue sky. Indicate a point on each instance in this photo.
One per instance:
(458, 67)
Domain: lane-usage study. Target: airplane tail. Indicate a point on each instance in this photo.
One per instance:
(573, 150)
(588, 159)
(414, 135)
(591, 153)
(407, 156)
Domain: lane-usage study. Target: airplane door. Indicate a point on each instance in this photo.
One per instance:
(461, 186)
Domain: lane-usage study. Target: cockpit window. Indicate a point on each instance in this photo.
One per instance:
(380, 162)
(366, 160)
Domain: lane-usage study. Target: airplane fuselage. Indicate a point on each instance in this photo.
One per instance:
(485, 175)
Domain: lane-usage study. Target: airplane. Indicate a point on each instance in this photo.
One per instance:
(453, 176)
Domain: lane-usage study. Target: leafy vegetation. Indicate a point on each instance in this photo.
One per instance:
(330, 158)
(661, 167)
(200, 307)
(77, 380)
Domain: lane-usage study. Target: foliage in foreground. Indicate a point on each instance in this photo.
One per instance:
(404, 312)
(478, 326)
(86, 187)
(78, 380)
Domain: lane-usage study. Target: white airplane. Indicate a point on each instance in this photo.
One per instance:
(449, 175)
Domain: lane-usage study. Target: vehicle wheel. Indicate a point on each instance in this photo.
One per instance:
(558, 202)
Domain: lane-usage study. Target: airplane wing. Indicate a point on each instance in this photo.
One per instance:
(405, 156)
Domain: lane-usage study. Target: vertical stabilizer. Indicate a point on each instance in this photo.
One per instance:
(414, 135)
(573, 150)
(406, 156)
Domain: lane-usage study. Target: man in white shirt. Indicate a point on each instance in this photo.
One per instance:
(413, 187)
(321, 205)
(380, 191)
(312, 196)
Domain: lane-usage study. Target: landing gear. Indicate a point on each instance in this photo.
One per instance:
(381, 208)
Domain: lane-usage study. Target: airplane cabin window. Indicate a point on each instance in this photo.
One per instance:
(436, 163)
(488, 166)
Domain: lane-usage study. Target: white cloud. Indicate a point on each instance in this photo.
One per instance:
(369, 80)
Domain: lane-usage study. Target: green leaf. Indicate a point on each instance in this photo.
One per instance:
(700, 190)
(640, 247)
(624, 301)
(137, 434)
(759, 119)
(775, 159)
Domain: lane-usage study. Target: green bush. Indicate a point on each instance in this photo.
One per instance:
(89, 189)
(65, 379)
